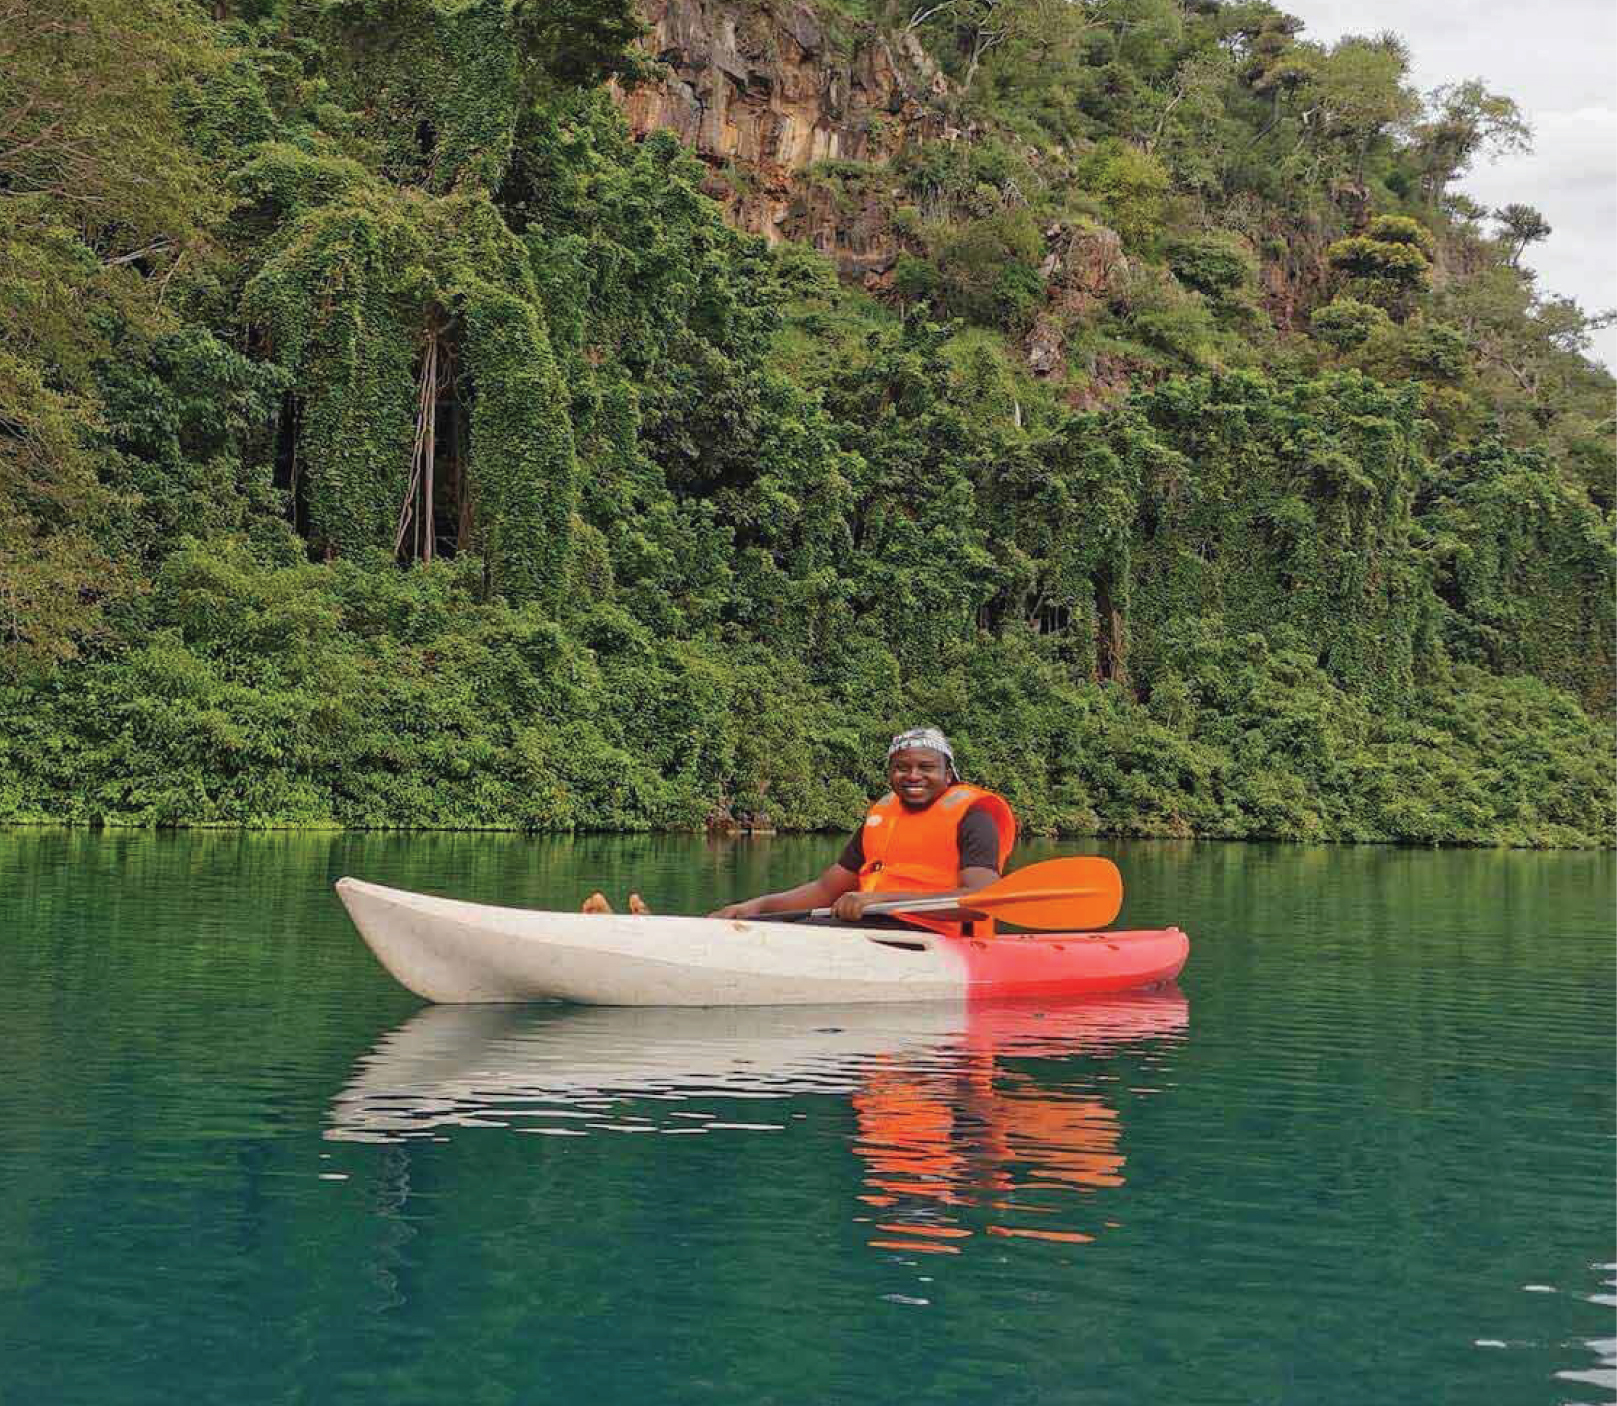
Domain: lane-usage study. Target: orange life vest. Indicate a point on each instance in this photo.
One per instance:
(918, 851)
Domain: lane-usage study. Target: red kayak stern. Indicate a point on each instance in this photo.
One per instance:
(1071, 963)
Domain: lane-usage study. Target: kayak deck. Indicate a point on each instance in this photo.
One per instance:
(447, 950)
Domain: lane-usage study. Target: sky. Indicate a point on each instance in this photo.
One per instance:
(1558, 60)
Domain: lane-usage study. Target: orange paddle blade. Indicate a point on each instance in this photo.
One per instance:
(1065, 895)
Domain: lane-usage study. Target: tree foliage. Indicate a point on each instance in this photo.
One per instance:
(1522, 225)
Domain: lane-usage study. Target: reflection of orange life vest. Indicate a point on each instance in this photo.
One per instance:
(906, 1138)
(918, 851)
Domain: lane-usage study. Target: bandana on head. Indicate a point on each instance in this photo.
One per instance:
(928, 737)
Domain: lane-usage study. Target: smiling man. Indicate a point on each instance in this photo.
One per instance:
(931, 836)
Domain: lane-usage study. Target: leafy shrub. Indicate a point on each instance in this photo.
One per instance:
(1133, 186)
(1362, 257)
(1345, 323)
(1438, 352)
(916, 280)
(1216, 265)
(988, 269)
(1166, 317)
(1400, 229)
(1387, 265)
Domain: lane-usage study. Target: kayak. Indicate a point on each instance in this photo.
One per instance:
(450, 951)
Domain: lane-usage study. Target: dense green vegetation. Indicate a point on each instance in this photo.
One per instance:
(387, 439)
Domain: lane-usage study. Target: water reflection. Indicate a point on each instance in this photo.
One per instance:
(966, 1121)
(942, 1138)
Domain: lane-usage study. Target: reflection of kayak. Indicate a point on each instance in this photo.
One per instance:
(446, 950)
(477, 1067)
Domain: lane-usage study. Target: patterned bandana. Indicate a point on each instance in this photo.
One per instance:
(928, 737)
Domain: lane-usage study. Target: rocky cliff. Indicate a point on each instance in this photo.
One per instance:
(773, 96)
(763, 96)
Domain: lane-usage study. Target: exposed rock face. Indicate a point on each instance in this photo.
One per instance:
(1110, 377)
(763, 97)
(1085, 265)
(1292, 281)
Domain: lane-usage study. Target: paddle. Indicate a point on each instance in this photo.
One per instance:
(1074, 895)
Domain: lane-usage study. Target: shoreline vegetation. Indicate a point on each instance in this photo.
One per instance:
(722, 837)
(230, 827)
(391, 438)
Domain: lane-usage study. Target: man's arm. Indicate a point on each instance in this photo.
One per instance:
(850, 907)
(822, 892)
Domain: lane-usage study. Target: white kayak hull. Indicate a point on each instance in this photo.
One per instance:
(451, 951)
(448, 950)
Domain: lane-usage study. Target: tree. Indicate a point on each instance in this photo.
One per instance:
(89, 119)
(1358, 94)
(1184, 120)
(579, 43)
(1523, 225)
(398, 316)
(101, 196)
(1540, 387)
(1276, 65)
(1346, 323)
(1387, 264)
(1133, 186)
(1464, 121)
(980, 27)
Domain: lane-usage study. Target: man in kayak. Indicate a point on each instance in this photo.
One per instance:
(931, 836)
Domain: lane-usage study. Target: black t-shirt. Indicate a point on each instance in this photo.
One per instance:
(977, 836)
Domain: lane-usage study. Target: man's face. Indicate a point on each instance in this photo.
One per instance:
(918, 776)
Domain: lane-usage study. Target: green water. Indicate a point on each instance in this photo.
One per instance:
(1363, 1155)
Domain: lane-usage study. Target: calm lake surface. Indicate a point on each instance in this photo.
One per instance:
(1363, 1154)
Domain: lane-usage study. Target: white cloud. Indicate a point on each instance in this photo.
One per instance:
(1572, 179)
(1557, 54)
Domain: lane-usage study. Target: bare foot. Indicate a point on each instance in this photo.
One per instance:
(596, 903)
(637, 904)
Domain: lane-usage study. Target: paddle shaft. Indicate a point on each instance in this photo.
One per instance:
(969, 905)
(930, 905)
